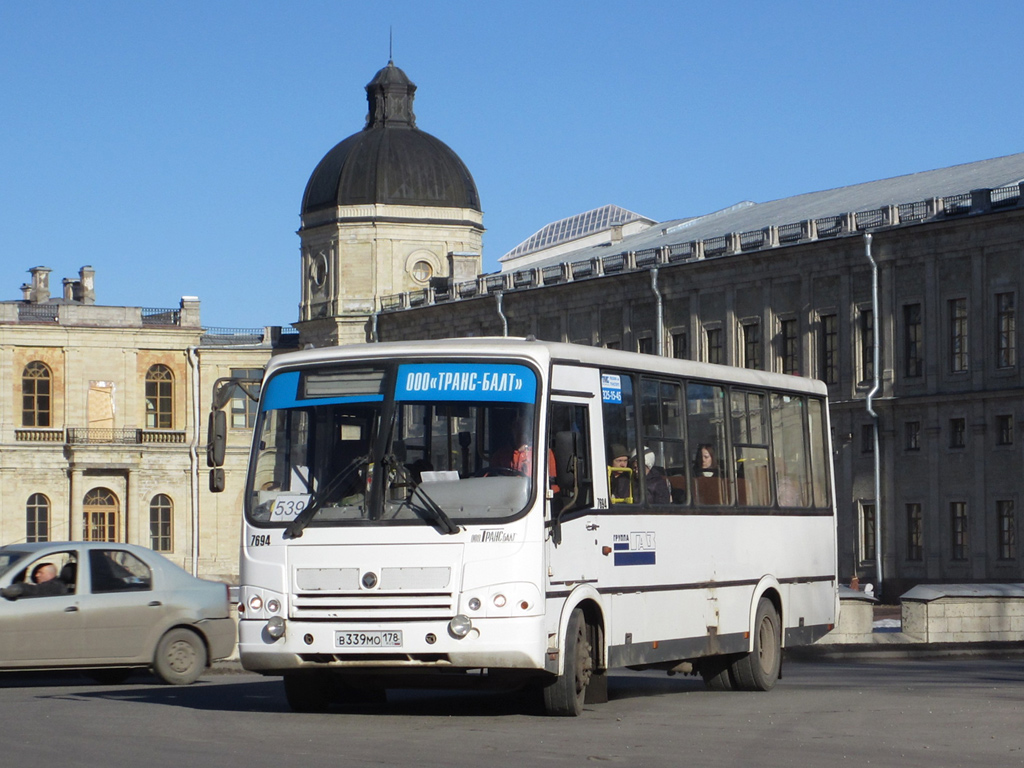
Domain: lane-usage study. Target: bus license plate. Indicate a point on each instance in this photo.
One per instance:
(388, 638)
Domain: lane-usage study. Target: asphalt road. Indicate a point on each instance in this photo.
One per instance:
(891, 713)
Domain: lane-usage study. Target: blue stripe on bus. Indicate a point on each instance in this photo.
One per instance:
(474, 382)
(634, 558)
(282, 391)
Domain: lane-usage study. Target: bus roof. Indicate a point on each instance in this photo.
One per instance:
(544, 353)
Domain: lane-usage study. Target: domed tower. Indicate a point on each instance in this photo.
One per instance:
(387, 210)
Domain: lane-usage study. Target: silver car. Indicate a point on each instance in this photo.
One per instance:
(109, 608)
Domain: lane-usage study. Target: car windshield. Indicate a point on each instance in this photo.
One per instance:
(9, 558)
(411, 443)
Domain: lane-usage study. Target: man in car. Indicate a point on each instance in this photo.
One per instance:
(44, 584)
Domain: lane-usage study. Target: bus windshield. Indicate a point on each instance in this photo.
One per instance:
(413, 443)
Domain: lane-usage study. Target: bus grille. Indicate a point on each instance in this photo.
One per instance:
(374, 606)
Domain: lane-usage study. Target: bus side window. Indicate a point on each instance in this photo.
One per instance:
(705, 424)
(569, 456)
(665, 477)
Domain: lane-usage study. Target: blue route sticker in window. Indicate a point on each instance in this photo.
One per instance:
(492, 382)
(611, 388)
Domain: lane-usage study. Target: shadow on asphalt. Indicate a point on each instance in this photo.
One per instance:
(249, 693)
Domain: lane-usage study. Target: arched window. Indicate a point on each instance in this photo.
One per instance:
(159, 398)
(101, 510)
(35, 395)
(161, 510)
(37, 518)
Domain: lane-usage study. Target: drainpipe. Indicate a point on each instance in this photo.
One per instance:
(193, 456)
(373, 327)
(501, 313)
(660, 313)
(875, 387)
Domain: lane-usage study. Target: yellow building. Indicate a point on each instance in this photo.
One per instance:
(102, 423)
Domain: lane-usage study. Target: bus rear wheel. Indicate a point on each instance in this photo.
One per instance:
(759, 669)
(565, 696)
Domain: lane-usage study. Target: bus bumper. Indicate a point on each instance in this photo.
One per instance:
(496, 643)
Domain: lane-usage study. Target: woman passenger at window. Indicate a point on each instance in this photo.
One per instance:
(706, 464)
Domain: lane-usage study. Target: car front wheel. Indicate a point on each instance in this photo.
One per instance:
(180, 657)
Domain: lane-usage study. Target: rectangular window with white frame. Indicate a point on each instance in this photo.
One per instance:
(751, 333)
(1006, 331)
(789, 346)
(866, 332)
(959, 359)
(913, 341)
(828, 349)
(959, 531)
(867, 530)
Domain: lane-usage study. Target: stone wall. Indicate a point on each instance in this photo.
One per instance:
(964, 613)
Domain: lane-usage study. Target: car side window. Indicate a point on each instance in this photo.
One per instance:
(115, 570)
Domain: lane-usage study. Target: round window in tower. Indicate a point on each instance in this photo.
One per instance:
(318, 269)
(422, 271)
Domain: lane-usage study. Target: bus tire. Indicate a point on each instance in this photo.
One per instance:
(565, 696)
(308, 691)
(759, 669)
(716, 673)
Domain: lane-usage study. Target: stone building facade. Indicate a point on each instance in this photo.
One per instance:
(103, 423)
(797, 298)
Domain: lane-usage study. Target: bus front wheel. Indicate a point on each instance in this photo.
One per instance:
(759, 669)
(565, 696)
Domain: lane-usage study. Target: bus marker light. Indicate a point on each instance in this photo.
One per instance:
(499, 601)
(524, 605)
(256, 602)
(273, 606)
(275, 627)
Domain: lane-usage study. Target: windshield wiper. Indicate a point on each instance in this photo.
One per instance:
(296, 526)
(437, 515)
(444, 523)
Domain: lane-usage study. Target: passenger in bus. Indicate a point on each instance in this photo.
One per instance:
(655, 481)
(619, 482)
(519, 457)
(705, 464)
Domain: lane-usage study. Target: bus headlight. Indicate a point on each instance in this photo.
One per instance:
(273, 605)
(459, 626)
(275, 627)
(255, 603)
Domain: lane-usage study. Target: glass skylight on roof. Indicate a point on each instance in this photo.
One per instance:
(573, 228)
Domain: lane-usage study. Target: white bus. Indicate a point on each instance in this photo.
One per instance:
(401, 531)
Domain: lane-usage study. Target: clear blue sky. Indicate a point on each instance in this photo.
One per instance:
(168, 144)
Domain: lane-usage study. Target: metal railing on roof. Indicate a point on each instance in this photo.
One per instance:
(844, 224)
(158, 316)
(37, 313)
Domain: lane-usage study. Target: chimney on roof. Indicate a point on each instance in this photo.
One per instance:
(616, 231)
(87, 285)
(39, 291)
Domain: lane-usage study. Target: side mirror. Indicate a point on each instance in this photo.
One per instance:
(216, 480)
(217, 439)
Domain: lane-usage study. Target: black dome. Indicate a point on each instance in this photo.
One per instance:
(391, 161)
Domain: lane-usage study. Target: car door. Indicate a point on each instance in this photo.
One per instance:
(42, 631)
(121, 613)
